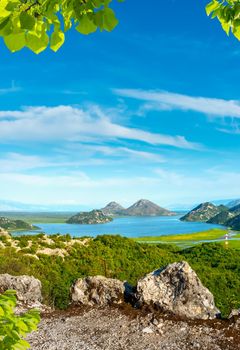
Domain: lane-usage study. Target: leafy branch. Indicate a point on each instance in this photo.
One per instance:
(13, 328)
(228, 14)
(37, 24)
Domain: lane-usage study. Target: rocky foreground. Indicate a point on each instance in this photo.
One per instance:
(113, 328)
(168, 309)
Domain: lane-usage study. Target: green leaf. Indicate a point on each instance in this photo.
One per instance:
(37, 43)
(213, 5)
(41, 21)
(5, 26)
(109, 21)
(15, 42)
(21, 345)
(236, 32)
(11, 5)
(86, 25)
(27, 21)
(57, 40)
(226, 27)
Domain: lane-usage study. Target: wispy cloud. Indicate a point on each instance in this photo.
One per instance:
(14, 162)
(66, 123)
(164, 100)
(124, 152)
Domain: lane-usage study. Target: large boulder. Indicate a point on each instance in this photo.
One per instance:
(97, 290)
(28, 289)
(176, 289)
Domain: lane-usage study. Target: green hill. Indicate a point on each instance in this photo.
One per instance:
(90, 218)
(204, 212)
(14, 225)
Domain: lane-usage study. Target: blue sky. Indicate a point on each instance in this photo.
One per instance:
(150, 110)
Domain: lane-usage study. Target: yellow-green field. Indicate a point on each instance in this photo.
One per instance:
(232, 243)
(189, 239)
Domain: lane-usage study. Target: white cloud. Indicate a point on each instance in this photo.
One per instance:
(66, 123)
(164, 100)
(120, 152)
(14, 162)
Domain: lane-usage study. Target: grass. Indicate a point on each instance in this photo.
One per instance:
(39, 217)
(232, 244)
(237, 235)
(186, 240)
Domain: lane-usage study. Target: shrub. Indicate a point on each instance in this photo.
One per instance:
(14, 328)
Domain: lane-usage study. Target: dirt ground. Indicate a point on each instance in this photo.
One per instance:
(122, 328)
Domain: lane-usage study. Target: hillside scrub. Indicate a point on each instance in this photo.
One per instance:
(117, 257)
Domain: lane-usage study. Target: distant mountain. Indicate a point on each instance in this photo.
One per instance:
(212, 214)
(204, 212)
(226, 216)
(221, 218)
(234, 223)
(89, 218)
(221, 201)
(233, 203)
(113, 209)
(144, 207)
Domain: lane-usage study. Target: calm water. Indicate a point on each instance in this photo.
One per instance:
(128, 227)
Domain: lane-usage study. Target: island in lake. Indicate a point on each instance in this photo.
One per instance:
(90, 218)
(15, 225)
(143, 207)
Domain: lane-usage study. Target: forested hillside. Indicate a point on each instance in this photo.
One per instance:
(114, 256)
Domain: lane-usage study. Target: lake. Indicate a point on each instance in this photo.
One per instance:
(126, 226)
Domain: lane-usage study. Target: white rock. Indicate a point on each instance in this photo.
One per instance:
(28, 288)
(147, 330)
(97, 290)
(178, 290)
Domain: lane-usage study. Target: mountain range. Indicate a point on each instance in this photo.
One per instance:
(10, 206)
(210, 213)
(143, 207)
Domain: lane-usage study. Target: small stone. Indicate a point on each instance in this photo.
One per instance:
(234, 313)
(154, 322)
(147, 330)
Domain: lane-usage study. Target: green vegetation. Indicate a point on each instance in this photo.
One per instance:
(204, 212)
(210, 213)
(15, 225)
(37, 24)
(90, 218)
(14, 328)
(217, 265)
(228, 14)
(37, 217)
(232, 244)
(187, 239)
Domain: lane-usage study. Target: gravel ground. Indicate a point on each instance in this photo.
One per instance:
(117, 329)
